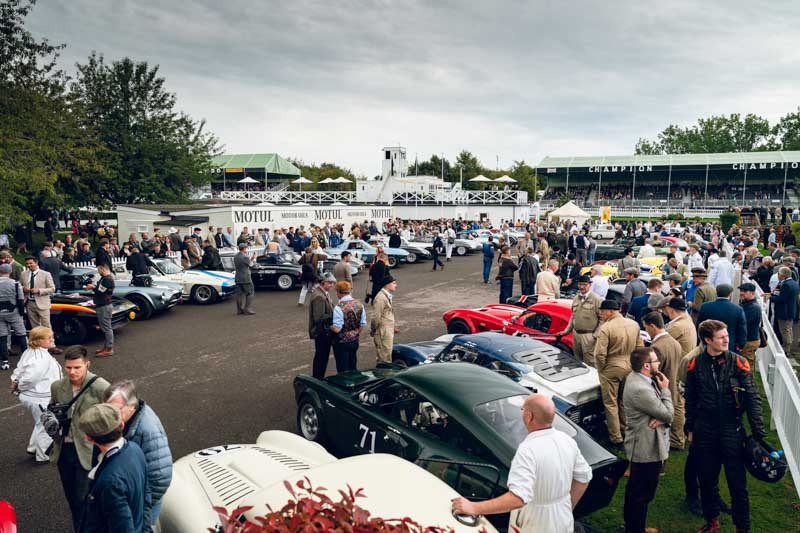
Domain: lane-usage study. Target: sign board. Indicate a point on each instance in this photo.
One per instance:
(255, 217)
(605, 213)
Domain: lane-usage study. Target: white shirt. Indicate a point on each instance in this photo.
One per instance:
(600, 286)
(712, 260)
(695, 261)
(679, 256)
(773, 282)
(721, 273)
(647, 251)
(541, 475)
(36, 370)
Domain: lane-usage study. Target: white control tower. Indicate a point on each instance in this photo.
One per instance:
(394, 163)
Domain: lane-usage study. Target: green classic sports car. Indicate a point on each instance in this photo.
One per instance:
(458, 420)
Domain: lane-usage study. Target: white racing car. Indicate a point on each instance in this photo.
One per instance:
(244, 475)
(199, 286)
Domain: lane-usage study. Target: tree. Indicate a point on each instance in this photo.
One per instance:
(717, 134)
(526, 177)
(152, 152)
(317, 173)
(433, 167)
(787, 131)
(469, 166)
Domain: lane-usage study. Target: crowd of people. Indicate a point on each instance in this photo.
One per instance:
(659, 389)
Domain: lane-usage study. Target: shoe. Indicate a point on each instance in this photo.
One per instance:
(55, 351)
(5, 366)
(724, 507)
(30, 452)
(99, 350)
(712, 526)
(249, 313)
(650, 530)
(37, 462)
(105, 352)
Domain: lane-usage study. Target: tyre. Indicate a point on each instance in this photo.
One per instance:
(598, 237)
(393, 262)
(461, 250)
(69, 331)
(285, 282)
(458, 327)
(309, 421)
(411, 257)
(145, 309)
(204, 295)
(400, 362)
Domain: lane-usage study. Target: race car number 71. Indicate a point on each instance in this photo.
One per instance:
(366, 431)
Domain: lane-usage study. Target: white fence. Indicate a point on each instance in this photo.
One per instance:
(782, 390)
(455, 196)
(291, 197)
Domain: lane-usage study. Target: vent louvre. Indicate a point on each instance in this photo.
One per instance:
(228, 485)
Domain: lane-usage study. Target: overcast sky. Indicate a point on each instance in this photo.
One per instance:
(519, 79)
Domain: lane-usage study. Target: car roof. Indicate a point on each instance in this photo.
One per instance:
(458, 387)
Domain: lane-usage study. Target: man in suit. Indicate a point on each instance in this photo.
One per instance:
(775, 253)
(320, 319)
(37, 285)
(103, 254)
(71, 451)
(244, 281)
(382, 328)
(648, 413)
(548, 284)
(119, 496)
(784, 298)
(52, 264)
(669, 355)
(732, 315)
(584, 321)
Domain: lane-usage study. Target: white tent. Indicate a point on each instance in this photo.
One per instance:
(505, 179)
(569, 211)
(341, 179)
(480, 178)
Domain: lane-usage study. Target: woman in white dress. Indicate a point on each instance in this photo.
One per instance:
(31, 380)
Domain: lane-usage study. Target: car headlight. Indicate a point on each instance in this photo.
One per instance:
(163, 295)
(131, 315)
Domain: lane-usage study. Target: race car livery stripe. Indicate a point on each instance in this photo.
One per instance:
(220, 275)
(69, 307)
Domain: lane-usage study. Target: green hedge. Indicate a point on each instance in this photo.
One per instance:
(727, 219)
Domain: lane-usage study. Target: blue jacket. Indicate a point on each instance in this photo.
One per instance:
(752, 314)
(732, 315)
(786, 300)
(145, 429)
(488, 250)
(119, 498)
(638, 307)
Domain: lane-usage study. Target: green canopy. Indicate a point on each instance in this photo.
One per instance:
(271, 163)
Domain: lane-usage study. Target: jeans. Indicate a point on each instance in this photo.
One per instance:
(346, 355)
(104, 313)
(437, 261)
(506, 289)
(487, 268)
(74, 479)
(322, 352)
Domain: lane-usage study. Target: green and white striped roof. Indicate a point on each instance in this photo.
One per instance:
(272, 163)
(673, 159)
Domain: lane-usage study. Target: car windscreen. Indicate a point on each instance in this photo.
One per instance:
(504, 416)
(168, 267)
(552, 364)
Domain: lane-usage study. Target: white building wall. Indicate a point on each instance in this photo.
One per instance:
(497, 214)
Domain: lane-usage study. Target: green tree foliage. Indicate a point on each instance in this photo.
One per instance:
(727, 219)
(433, 167)
(153, 152)
(563, 199)
(317, 173)
(787, 131)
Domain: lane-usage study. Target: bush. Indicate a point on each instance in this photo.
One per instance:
(563, 199)
(727, 219)
(313, 510)
(796, 230)
(675, 216)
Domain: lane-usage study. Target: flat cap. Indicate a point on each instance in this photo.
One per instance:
(327, 277)
(747, 287)
(724, 290)
(611, 305)
(100, 420)
(654, 300)
(699, 271)
(675, 277)
(5, 268)
(663, 302)
(679, 304)
(632, 270)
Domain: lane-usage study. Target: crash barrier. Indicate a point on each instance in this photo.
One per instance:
(782, 390)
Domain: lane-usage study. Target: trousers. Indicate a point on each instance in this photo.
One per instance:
(74, 480)
(38, 317)
(749, 352)
(612, 381)
(506, 289)
(691, 474)
(583, 347)
(487, 268)
(244, 297)
(448, 250)
(437, 261)
(580, 255)
(346, 355)
(639, 492)
(384, 339)
(104, 313)
(40, 440)
(786, 330)
(322, 352)
(305, 288)
(676, 435)
(711, 459)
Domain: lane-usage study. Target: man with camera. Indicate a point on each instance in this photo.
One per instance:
(70, 398)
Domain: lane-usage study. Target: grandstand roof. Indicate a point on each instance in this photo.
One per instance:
(272, 163)
(673, 159)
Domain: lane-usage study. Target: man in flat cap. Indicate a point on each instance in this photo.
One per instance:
(119, 496)
(617, 336)
(752, 314)
(628, 261)
(703, 291)
(584, 321)
(635, 287)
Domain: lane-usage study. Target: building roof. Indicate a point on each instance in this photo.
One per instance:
(272, 163)
(673, 159)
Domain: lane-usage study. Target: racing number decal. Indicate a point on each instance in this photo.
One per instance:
(217, 450)
(365, 429)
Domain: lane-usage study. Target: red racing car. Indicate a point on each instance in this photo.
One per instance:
(541, 321)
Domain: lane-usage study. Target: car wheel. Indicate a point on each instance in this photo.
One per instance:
(411, 257)
(400, 362)
(309, 421)
(69, 331)
(393, 261)
(285, 282)
(458, 327)
(203, 294)
(461, 250)
(145, 309)
(598, 237)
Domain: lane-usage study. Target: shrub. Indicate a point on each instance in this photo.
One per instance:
(727, 219)
(563, 199)
(796, 230)
(313, 510)
(675, 216)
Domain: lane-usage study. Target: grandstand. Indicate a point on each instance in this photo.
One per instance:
(680, 181)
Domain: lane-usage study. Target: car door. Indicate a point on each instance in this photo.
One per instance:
(529, 323)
